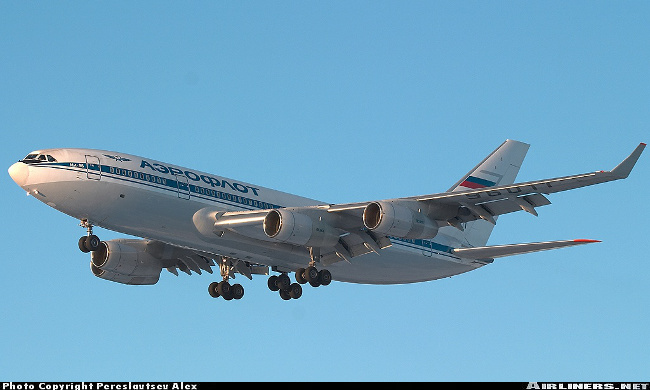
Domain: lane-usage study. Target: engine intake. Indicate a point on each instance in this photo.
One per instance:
(397, 220)
(299, 229)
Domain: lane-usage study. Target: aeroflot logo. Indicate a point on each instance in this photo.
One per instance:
(118, 158)
(214, 182)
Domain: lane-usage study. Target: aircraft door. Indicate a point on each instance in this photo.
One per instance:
(427, 250)
(183, 187)
(93, 168)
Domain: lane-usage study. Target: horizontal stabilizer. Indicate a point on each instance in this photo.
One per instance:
(492, 252)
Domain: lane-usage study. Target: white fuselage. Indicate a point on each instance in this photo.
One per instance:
(155, 200)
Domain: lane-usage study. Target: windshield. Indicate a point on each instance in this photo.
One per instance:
(36, 157)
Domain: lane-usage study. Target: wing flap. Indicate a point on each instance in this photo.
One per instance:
(512, 204)
(495, 251)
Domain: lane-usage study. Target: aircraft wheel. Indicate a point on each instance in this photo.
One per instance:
(272, 283)
(212, 289)
(300, 276)
(224, 289)
(82, 244)
(325, 277)
(237, 291)
(285, 295)
(295, 291)
(311, 274)
(92, 243)
(283, 282)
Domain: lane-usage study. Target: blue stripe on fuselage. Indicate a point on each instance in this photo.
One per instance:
(159, 182)
(163, 183)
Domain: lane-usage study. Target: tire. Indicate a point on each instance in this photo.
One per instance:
(237, 291)
(311, 274)
(325, 277)
(92, 243)
(295, 291)
(283, 282)
(272, 283)
(82, 245)
(300, 276)
(224, 289)
(285, 295)
(212, 289)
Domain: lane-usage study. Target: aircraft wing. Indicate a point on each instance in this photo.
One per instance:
(175, 258)
(492, 252)
(486, 203)
(525, 195)
(337, 232)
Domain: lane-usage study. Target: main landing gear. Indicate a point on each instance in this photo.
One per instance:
(281, 283)
(90, 242)
(223, 288)
(309, 275)
(289, 290)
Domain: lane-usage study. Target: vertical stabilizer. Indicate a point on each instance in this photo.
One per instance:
(499, 168)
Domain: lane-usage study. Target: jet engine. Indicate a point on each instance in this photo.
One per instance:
(125, 261)
(397, 220)
(299, 229)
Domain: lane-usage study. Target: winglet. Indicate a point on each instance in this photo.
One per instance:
(623, 169)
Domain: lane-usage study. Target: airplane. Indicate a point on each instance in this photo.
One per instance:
(191, 221)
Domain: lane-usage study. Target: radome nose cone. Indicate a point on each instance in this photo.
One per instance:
(19, 172)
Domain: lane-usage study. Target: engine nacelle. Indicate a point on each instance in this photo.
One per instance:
(299, 229)
(124, 279)
(125, 261)
(397, 220)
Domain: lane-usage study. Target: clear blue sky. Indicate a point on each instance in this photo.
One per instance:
(339, 101)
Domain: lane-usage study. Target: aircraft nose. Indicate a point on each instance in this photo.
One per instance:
(19, 172)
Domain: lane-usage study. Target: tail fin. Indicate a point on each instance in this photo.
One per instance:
(499, 168)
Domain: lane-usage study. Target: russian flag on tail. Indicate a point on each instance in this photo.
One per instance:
(475, 182)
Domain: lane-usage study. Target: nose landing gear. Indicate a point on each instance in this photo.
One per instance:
(90, 242)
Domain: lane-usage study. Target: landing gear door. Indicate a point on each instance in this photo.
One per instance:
(183, 187)
(93, 168)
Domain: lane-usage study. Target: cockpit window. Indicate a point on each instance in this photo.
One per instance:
(35, 157)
